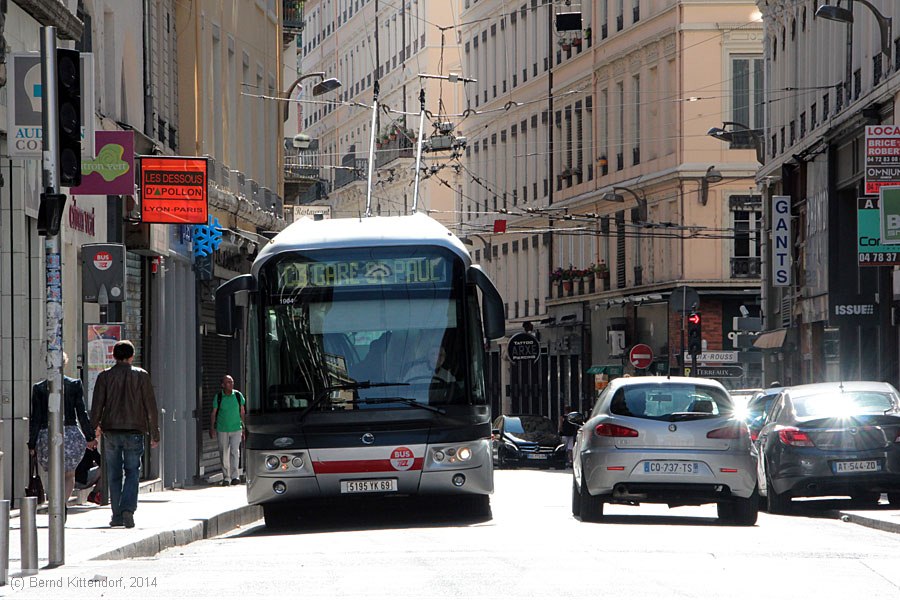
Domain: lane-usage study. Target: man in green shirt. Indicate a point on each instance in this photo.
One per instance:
(227, 425)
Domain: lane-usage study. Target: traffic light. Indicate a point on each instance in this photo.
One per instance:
(695, 334)
(68, 110)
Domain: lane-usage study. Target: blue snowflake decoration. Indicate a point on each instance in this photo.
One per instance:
(207, 238)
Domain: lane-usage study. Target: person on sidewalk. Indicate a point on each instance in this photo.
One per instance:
(75, 438)
(227, 425)
(123, 411)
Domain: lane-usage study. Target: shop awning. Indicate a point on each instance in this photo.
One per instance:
(770, 339)
(614, 370)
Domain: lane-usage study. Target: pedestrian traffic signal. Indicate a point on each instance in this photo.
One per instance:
(68, 110)
(695, 334)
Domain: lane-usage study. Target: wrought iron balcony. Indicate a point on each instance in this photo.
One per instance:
(353, 170)
(745, 267)
(391, 150)
(292, 16)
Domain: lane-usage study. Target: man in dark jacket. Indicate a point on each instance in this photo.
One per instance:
(123, 411)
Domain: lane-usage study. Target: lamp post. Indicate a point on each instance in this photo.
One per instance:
(845, 15)
(641, 199)
(723, 135)
(324, 86)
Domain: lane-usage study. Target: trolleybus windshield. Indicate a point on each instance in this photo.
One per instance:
(339, 318)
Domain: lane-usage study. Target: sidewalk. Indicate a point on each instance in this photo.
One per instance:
(163, 519)
(884, 518)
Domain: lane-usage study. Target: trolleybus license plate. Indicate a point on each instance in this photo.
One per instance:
(363, 486)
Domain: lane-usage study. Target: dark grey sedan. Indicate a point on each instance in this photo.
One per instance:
(831, 439)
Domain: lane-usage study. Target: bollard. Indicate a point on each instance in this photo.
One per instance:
(28, 535)
(4, 541)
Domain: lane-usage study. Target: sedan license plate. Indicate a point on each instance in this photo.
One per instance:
(366, 486)
(537, 456)
(856, 466)
(671, 467)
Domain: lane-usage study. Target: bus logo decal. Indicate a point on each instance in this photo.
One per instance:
(367, 438)
(402, 459)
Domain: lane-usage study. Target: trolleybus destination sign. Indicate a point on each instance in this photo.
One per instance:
(173, 189)
(351, 273)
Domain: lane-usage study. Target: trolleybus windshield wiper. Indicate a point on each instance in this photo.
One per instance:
(356, 385)
(407, 401)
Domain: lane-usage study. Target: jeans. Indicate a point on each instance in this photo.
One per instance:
(229, 453)
(122, 453)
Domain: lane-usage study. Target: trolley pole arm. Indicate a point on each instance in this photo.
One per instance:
(415, 203)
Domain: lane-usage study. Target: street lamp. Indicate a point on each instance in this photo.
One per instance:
(324, 86)
(845, 15)
(723, 135)
(712, 176)
(641, 199)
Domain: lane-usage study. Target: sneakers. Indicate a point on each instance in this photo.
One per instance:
(225, 482)
(94, 497)
(235, 481)
(117, 522)
(128, 519)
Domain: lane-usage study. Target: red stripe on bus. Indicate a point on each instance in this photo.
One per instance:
(362, 466)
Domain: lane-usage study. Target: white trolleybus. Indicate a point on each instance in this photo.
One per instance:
(364, 363)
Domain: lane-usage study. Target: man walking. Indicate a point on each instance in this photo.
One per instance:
(123, 411)
(227, 425)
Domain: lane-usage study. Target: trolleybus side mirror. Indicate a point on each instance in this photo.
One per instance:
(493, 314)
(226, 323)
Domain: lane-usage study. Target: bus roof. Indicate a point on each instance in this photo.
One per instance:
(307, 234)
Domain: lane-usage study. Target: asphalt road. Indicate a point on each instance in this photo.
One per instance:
(532, 548)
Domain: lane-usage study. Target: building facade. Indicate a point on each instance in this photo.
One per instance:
(596, 191)
(827, 81)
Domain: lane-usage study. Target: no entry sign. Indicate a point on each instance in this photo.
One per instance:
(640, 356)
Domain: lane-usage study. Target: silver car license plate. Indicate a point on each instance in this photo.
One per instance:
(856, 466)
(671, 467)
(366, 486)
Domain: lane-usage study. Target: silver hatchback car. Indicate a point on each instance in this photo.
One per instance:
(664, 440)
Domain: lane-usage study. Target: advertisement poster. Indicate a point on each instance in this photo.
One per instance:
(111, 172)
(100, 339)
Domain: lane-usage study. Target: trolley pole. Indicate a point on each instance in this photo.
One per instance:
(421, 136)
(54, 309)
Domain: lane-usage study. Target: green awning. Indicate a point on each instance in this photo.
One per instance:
(613, 370)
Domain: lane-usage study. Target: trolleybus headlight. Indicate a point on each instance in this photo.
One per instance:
(297, 462)
(459, 480)
(451, 452)
(279, 487)
(272, 462)
(438, 456)
(464, 454)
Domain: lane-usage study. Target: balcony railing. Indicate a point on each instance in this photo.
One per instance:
(745, 267)
(292, 16)
(355, 170)
(297, 168)
(402, 147)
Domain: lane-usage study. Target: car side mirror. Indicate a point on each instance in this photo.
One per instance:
(575, 418)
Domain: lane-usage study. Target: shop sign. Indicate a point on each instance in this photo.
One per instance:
(869, 249)
(882, 157)
(781, 241)
(523, 346)
(852, 310)
(25, 111)
(889, 200)
(111, 172)
(174, 189)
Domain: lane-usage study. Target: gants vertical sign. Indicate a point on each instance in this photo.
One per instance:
(173, 189)
(781, 241)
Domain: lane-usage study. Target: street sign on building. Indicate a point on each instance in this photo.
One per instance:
(882, 157)
(715, 356)
(640, 356)
(723, 372)
(870, 251)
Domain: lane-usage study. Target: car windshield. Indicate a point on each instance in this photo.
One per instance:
(671, 401)
(847, 403)
(529, 425)
(759, 407)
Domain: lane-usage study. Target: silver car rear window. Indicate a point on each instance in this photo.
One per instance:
(670, 402)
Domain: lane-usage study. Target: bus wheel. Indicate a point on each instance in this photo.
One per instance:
(476, 505)
(277, 515)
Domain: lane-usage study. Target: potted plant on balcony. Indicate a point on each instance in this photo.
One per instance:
(576, 41)
(601, 270)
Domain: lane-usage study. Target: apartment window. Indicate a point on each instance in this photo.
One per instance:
(802, 125)
(826, 97)
(747, 97)
(746, 220)
(876, 69)
(636, 11)
(620, 15)
(636, 149)
(813, 117)
(857, 84)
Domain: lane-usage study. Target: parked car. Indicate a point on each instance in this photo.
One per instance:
(527, 440)
(672, 441)
(831, 439)
(758, 409)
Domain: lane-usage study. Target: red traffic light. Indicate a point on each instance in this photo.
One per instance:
(694, 319)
